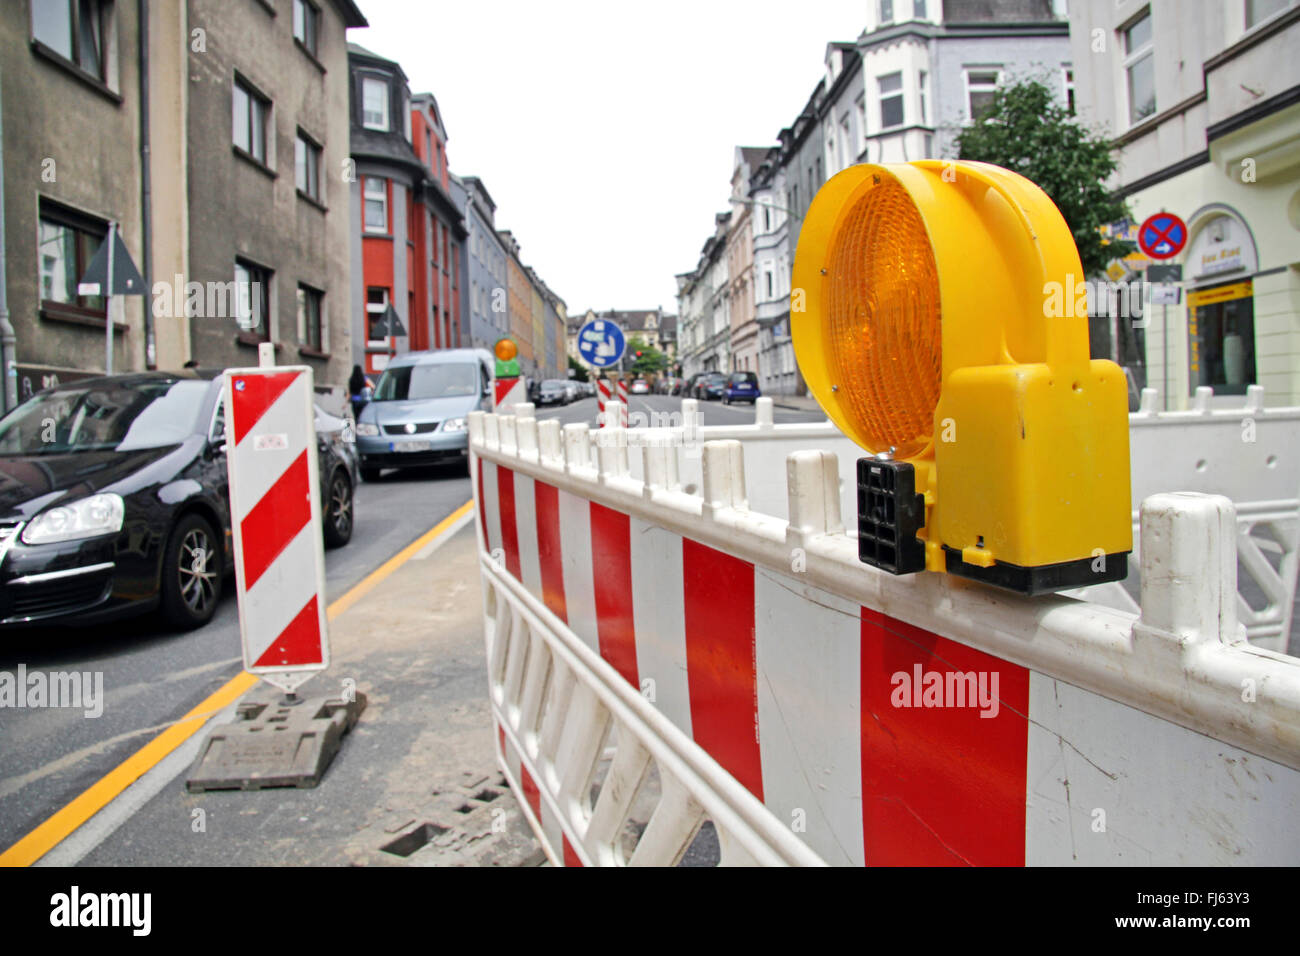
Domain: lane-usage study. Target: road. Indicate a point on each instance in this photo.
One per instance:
(153, 675)
(712, 413)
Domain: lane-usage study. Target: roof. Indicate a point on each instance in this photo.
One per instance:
(351, 13)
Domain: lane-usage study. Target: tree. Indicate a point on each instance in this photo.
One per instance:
(579, 370)
(1028, 131)
(642, 358)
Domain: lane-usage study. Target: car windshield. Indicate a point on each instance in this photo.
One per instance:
(444, 380)
(554, 385)
(743, 378)
(119, 417)
(714, 379)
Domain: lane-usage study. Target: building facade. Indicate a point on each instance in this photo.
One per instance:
(743, 325)
(101, 127)
(408, 232)
(1205, 113)
(270, 213)
(483, 271)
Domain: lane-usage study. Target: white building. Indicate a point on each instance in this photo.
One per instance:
(1204, 102)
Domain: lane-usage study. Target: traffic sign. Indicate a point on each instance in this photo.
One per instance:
(601, 343)
(1162, 236)
(276, 519)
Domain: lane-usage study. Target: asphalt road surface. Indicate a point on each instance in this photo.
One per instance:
(712, 413)
(153, 675)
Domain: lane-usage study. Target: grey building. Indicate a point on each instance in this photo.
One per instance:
(271, 212)
(483, 266)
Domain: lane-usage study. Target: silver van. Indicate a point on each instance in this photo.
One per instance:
(420, 411)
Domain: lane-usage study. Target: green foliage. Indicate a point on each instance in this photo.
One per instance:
(1028, 131)
(579, 370)
(651, 360)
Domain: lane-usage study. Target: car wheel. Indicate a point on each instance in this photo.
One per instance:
(338, 511)
(370, 474)
(191, 573)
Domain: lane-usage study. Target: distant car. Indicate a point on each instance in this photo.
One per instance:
(571, 391)
(114, 499)
(639, 387)
(553, 392)
(741, 387)
(420, 412)
(710, 385)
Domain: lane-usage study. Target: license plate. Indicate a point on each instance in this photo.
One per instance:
(400, 446)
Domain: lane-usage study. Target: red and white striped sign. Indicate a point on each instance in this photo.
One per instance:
(276, 516)
(604, 390)
(622, 390)
(508, 392)
(888, 743)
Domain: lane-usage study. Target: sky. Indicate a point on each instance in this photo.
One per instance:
(605, 131)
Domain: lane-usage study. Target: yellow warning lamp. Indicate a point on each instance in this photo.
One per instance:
(935, 319)
(505, 351)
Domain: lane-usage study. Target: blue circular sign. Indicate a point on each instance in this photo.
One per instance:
(601, 343)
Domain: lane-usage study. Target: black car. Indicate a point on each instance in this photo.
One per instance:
(710, 385)
(114, 500)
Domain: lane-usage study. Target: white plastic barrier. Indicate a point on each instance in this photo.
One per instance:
(878, 719)
(1250, 454)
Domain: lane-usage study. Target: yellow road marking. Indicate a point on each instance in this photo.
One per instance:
(59, 826)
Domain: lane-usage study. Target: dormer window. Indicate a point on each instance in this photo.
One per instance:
(374, 103)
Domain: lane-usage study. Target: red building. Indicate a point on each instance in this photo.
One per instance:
(407, 245)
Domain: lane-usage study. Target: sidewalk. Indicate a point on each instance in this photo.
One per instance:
(796, 403)
(416, 782)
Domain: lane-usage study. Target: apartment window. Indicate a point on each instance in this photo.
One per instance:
(769, 280)
(68, 241)
(767, 218)
(253, 299)
(406, 118)
(918, 9)
(886, 12)
(251, 110)
(980, 87)
(306, 24)
(1067, 75)
(376, 201)
(891, 100)
(428, 148)
(922, 84)
(1140, 69)
(306, 161)
(376, 304)
(1257, 11)
(846, 155)
(374, 103)
(862, 123)
(311, 322)
(77, 30)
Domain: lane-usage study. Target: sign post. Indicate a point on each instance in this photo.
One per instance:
(111, 272)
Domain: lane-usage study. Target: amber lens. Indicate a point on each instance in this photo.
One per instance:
(505, 349)
(883, 320)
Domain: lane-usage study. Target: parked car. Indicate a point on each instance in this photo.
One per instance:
(710, 385)
(639, 387)
(741, 387)
(571, 391)
(114, 499)
(553, 392)
(420, 412)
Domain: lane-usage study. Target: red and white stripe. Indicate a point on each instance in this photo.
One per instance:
(791, 689)
(622, 390)
(275, 515)
(508, 392)
(604, 390)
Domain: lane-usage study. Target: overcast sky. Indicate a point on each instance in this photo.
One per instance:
(605, 130)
